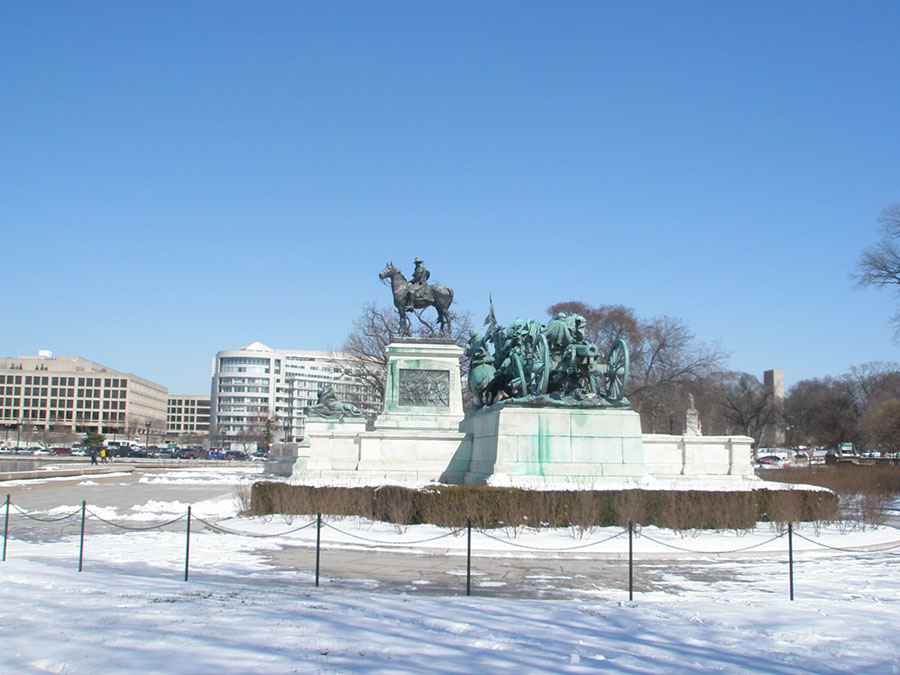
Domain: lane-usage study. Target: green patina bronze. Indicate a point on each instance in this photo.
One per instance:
(328, 406)
(540, 364)
(417, 293)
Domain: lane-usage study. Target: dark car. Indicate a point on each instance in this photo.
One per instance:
(236, 454)
(191, 453)
(138, 452)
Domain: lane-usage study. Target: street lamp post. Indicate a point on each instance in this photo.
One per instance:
(147, 442)
(18, 429)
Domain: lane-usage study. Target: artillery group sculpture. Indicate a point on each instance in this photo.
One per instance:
(549, 363)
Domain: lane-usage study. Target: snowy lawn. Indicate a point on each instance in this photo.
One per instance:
(131, 610)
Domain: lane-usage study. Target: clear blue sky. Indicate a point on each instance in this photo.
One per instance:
(179, 178)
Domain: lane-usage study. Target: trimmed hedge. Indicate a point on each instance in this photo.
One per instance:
(492, 507)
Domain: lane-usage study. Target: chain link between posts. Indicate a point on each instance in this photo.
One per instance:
(867, 549)
(45, 520)
(223, 530)
(734, 550)
(538, 548)
(136, 528)
(388, 543)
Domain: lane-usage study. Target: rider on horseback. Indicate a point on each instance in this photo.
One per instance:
(417, 284)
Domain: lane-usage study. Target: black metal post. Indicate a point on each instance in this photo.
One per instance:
(469, 557)
(791, 556)
(5, 527)
(187, 545)
(318, 543)
(630, 561)
(81, 545)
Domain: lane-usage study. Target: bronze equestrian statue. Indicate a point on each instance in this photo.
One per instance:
(418, 294)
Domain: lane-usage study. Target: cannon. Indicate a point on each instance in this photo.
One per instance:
(533, 359)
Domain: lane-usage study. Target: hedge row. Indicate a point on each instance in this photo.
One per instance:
(491, 507)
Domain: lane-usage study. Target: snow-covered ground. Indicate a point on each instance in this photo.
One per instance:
(241, 612)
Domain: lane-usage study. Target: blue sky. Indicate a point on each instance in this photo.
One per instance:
(179, 178)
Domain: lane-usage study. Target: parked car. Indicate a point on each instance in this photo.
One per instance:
(60, 451)
(771, 460)
(236, 454)
(216, 454)
(191, 453)
(138, 452)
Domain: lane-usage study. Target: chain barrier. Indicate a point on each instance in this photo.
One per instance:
(388, 543)
(224, 530)
(136, 528)
(45, 520)
(734, 550)
(218, 528)
(888, 548)
(893, 546)
(538, 548)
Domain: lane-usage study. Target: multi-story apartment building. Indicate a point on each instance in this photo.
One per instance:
(187, 418)
(258, 385)
(68, 393)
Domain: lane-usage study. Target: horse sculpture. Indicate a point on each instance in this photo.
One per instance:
(429, 295)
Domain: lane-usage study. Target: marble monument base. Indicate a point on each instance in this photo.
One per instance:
(528, 446)
(416, 438)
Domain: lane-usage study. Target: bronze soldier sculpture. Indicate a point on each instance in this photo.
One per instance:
(418, 294)
(417, 283)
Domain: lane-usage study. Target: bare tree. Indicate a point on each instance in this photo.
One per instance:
(883, 425)
(745, 404)
(251, 436)
(54, 434)
(879, 264)
(377, 327)
(822, 411)
(372, 332)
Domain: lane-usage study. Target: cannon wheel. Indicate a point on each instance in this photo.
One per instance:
(542, 362)
(617, 365)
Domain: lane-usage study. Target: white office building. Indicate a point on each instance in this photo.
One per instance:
(258, 386)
